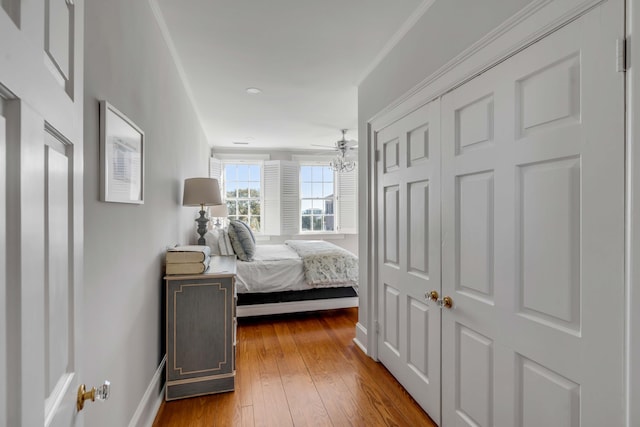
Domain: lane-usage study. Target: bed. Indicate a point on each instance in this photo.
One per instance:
(296, 276)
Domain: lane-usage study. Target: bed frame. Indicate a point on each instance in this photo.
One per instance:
(257, 304)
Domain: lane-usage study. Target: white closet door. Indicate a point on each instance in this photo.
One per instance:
(408, 182)
(533, 210)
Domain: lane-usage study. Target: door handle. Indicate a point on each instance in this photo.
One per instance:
(101, 393)
(433, 295)
(446, 302)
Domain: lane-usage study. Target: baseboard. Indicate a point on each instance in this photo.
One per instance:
(361, 337)
(151, 400)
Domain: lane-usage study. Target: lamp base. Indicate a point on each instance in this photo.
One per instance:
(202, 227)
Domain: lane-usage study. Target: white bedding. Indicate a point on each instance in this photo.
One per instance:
(277, 268)
(274, 268)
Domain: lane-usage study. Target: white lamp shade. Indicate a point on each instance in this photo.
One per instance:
(219, 211)
(201, 192)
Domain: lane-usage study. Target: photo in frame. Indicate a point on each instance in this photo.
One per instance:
(121, 157)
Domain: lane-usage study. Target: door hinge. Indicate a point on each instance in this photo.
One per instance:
(377, 156)
(622, 55)
(377, 327)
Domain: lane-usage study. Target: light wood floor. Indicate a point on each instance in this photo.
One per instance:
(301, 370)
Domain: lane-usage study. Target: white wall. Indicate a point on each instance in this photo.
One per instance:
(128, 64)
(444, 31)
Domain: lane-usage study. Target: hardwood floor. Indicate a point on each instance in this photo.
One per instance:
(301, 370)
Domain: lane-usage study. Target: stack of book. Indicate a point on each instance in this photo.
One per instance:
(189, 259)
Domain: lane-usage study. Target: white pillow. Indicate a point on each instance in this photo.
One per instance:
(211, 239)
(225, 243)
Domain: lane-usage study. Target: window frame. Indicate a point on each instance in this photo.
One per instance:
(250, 162)
(318, 163)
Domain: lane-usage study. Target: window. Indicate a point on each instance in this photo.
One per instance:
(242, 189)
(287, 197)
(317, 198)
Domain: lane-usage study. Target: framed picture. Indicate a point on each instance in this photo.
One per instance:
(121, 157)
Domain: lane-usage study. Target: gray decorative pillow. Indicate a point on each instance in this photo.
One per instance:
(242, 240)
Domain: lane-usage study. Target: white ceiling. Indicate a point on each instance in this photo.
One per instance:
(307, 56)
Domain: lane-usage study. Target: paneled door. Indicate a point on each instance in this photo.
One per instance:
(533, 217)
(41, 114)
(408, 183)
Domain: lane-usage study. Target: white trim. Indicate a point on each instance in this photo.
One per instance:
(372, 245)
(240, 158)
(632, 224)
(361, 337)
(295, 306)
(393, 41)
(150, 403)
(166, 35)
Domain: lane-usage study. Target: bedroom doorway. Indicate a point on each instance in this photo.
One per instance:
(532, 237)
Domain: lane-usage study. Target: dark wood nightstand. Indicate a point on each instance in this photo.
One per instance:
(201, 331)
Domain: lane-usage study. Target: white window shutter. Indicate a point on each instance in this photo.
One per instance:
(271, 197)
(215, 169)
(280, 197)
(348, 202)
(290, 197)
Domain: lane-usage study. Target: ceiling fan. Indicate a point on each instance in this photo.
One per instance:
(340, 162)
(343, 145)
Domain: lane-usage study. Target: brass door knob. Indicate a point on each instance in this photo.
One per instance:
(447, 302)
(433, 295)
(101, 393)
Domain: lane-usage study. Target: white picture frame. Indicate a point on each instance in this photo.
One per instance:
(121, 157)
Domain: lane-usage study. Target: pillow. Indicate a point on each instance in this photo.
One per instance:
(224, 244)
(242, 240)
(211, 239)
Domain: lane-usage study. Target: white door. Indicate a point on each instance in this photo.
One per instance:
(408, 183)
(41, 129)
(533, 216)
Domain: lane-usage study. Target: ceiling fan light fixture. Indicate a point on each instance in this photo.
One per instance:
(340, 164)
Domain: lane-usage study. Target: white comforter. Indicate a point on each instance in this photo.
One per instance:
(310, 265)
(274, 268)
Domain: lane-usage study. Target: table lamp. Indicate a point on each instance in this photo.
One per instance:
(201, 192)
(217, 212)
